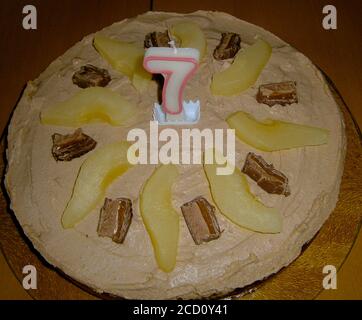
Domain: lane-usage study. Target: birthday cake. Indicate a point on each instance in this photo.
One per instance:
(165, 229)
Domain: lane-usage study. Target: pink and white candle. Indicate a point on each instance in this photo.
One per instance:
(177, 65)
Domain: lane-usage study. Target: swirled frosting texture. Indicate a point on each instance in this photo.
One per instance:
(40, 187)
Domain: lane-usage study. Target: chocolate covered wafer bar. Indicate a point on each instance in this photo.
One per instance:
(157, 39)
(228, 47)
(265, 175)
(282, 93)
(115, 219)
(200, 218)
(70, 146)
(91, 76)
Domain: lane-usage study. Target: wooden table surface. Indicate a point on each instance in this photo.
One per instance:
(25, 53)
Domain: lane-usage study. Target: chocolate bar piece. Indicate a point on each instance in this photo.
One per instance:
(115, 219)
(282, 93)
(265, 175)
(200, 218)
(157, 39)
(228, 47)
(70, 146)
(91, 76)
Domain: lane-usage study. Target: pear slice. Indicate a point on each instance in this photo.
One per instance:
(125, 57)
(97, 172)
(95, 104)
(159, 216)
(122, 56)
(190, 35)
(141, 78)
(245, 70)
(232, 196)
(273, 135)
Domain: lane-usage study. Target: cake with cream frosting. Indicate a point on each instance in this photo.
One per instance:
(109, 241)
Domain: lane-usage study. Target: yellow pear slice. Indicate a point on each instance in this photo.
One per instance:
(190, 35)
(232, 196)
(273, 135)
(141, 78)
(159, 216)
(124, 57)
(244, 71)
(95, 104)
(97, 172)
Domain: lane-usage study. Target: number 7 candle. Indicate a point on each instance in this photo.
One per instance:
(177, 65)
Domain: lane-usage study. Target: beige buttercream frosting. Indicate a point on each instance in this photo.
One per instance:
(40, 187)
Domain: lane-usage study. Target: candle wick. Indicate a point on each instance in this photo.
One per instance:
(173, 45)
